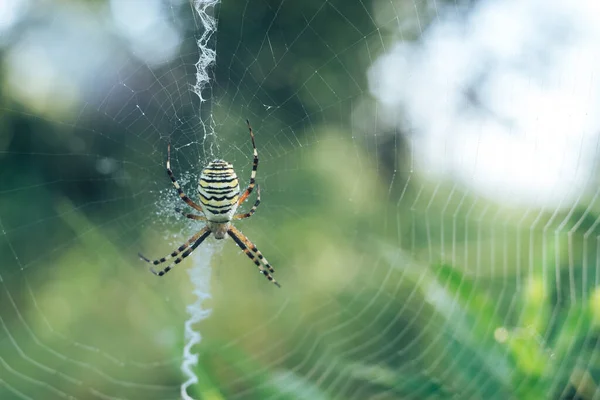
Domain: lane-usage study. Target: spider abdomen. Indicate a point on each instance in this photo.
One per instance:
(219, 191)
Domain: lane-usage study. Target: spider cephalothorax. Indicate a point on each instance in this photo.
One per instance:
(219, 192)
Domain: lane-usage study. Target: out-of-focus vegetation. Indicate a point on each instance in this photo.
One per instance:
(393, 287)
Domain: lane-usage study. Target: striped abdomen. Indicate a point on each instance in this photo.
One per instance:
(219, 191)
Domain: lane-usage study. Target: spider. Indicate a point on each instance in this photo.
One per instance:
(219, 192)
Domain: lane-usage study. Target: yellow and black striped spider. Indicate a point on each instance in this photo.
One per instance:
(219, 191)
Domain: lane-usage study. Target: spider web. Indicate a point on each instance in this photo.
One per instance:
(429, 199)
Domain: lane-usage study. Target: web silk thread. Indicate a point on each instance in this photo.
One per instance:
(200, 273)
(205, 9)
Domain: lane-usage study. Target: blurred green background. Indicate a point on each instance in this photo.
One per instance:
(394, 285)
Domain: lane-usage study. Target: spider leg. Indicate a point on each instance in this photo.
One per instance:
(183, 196)
(254, 167)
(245, 244)
(190, 216)
(200, 236)
(254, 207)
(175, 253)
(252, 247)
